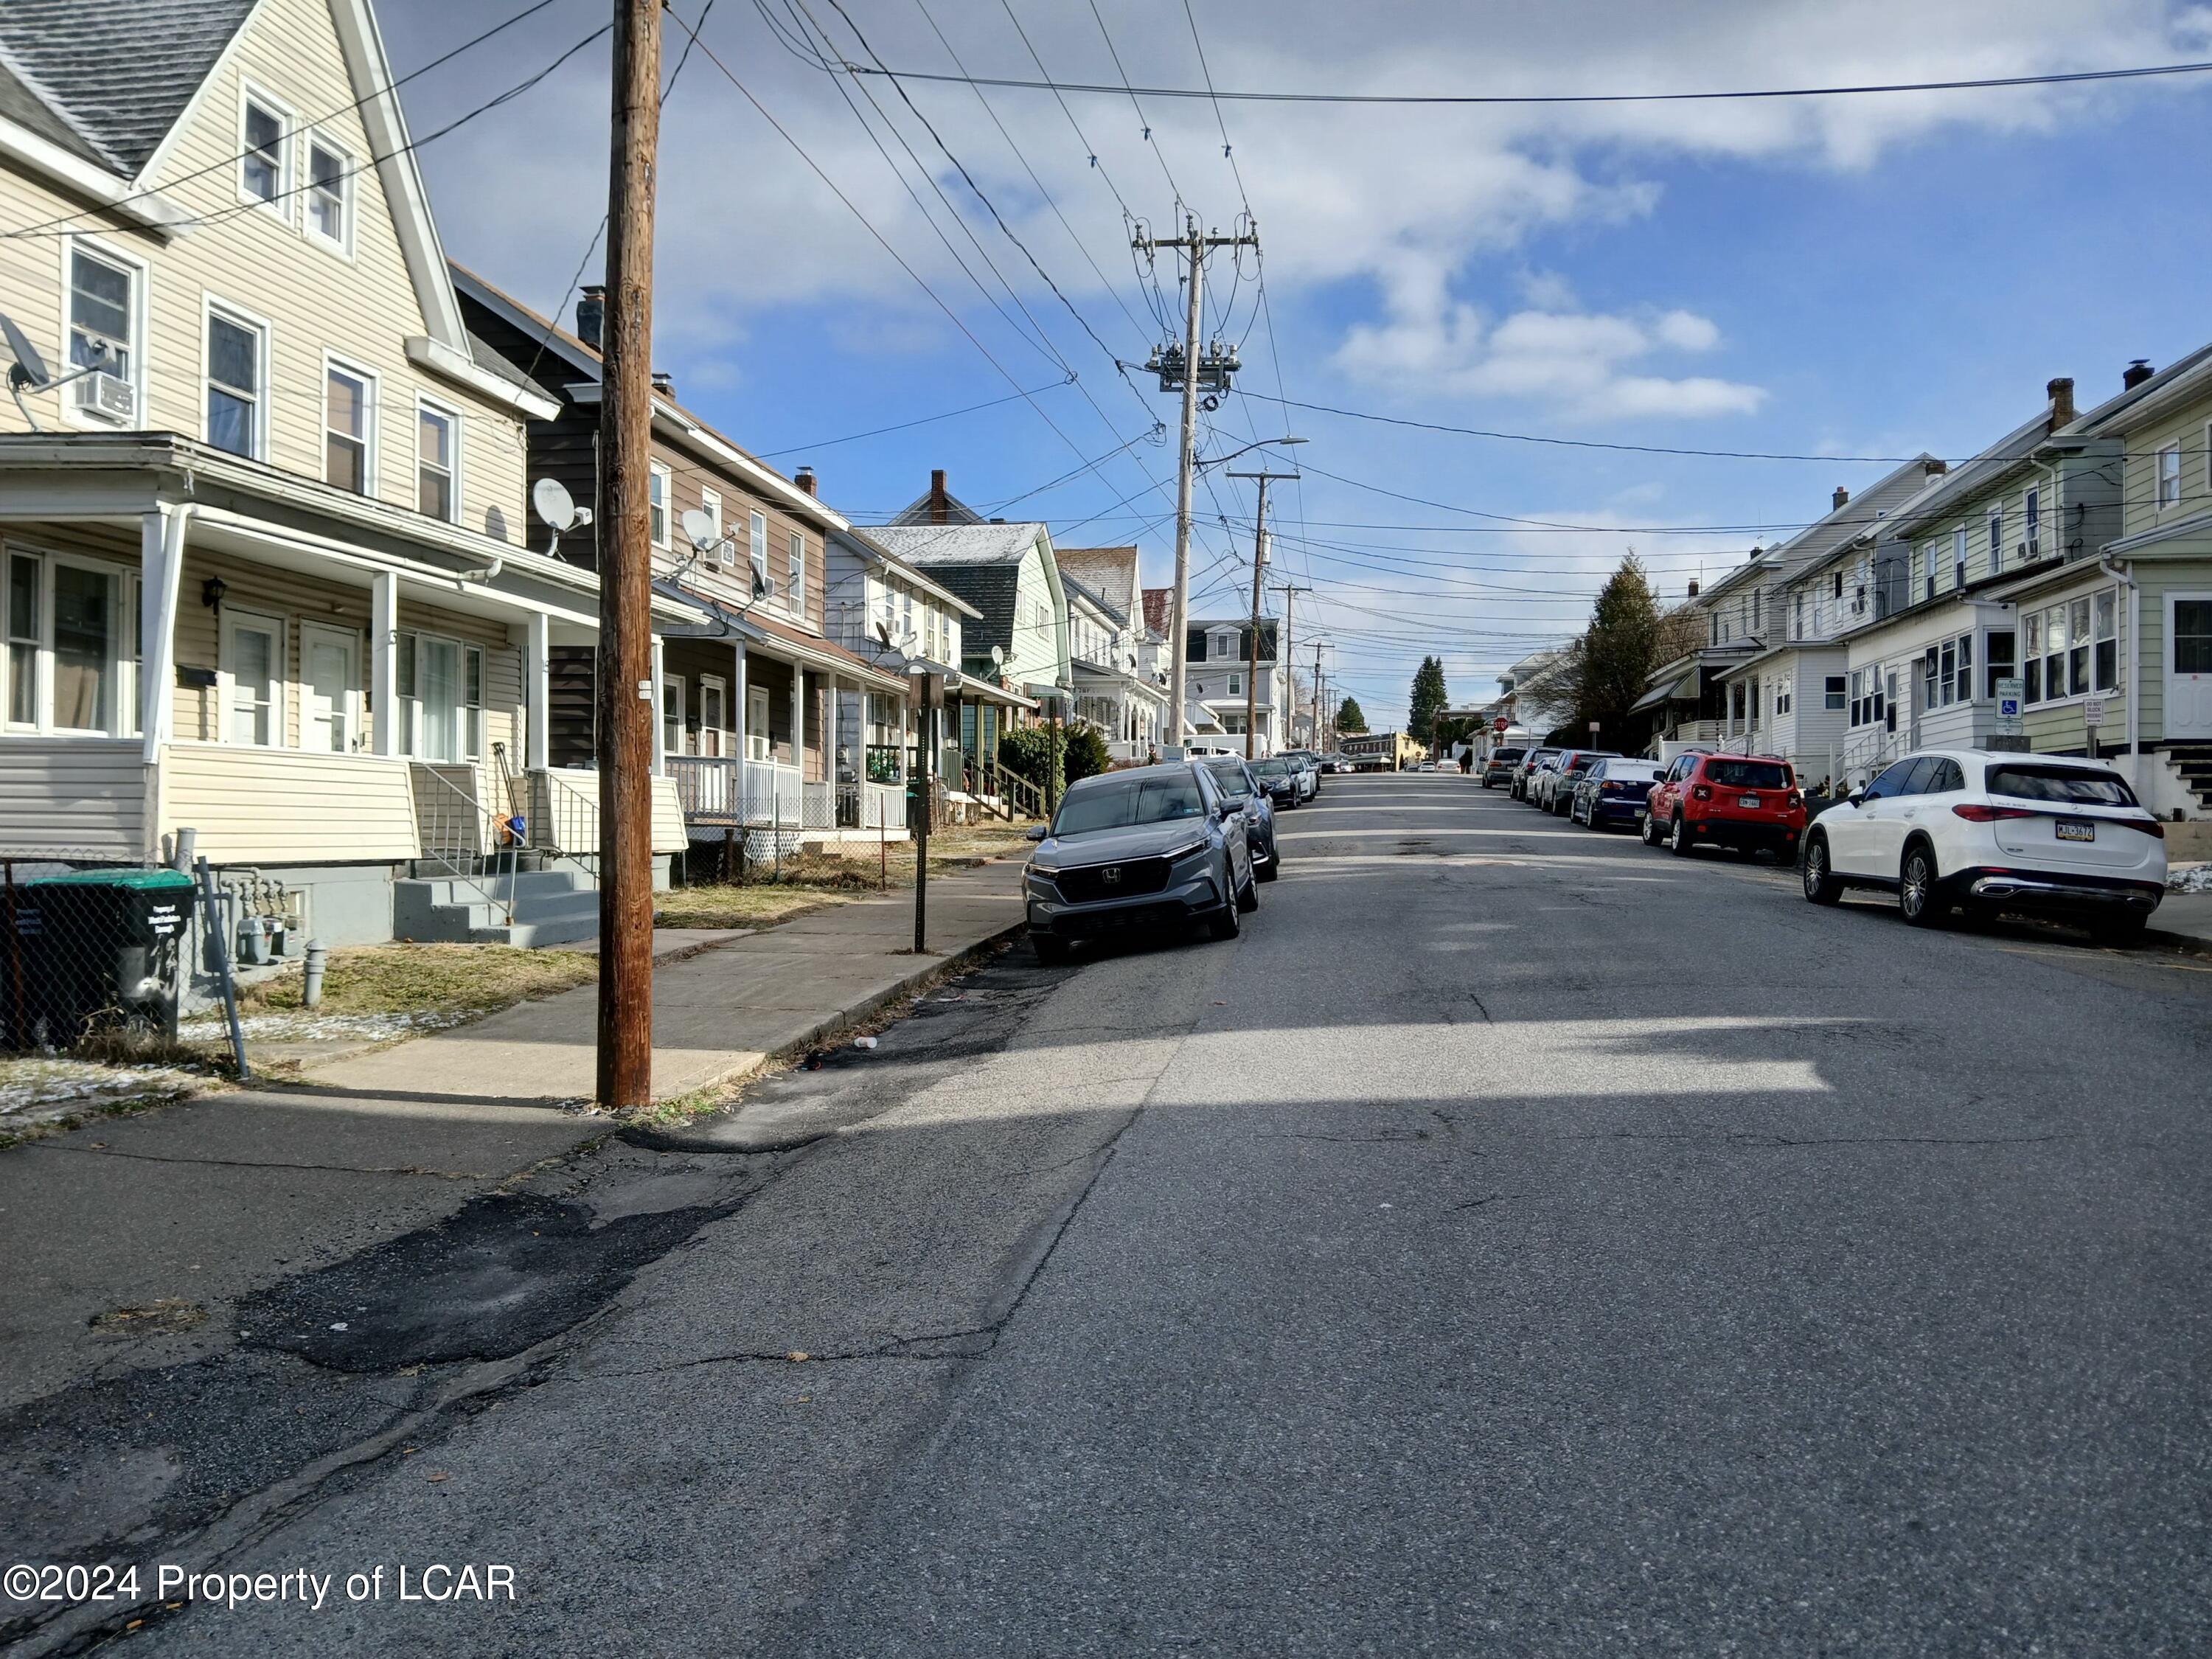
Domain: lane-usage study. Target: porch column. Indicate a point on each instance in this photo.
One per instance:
(798, 719)
(162, 557)
(737, 706)
(660, 712)
(383, 661)
(537, 658)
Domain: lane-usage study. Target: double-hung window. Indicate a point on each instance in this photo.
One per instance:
(437, 462)
(1958, 558)
(2054, 653)
(2104, 642)
(758, 549)
(1997, 648)
(1997, 540)
(349, 427)
(2032, 510)
(2169, 476)
(441, 698)
(330, 194)
(104, 311)
(1831, 690)
(65, 636)
(795, 591)
(25, 634)
(237, 358)
(263, 167)
(2031, 645)
(659, 485)
(710, 503)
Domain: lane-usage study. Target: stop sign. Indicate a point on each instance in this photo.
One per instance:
(1498, 725)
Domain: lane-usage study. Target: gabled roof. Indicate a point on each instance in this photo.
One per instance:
(973, 542)
(107, 79)
(1109, 572)
(1096, 599)
(1159, 608)
(2187, 375)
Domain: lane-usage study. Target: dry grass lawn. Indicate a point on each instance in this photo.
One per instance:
(405, 978)
(811, 881)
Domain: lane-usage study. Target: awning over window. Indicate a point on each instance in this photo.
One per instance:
(1684, 689)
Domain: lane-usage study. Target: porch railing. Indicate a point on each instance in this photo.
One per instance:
(752, 794)
(459, 834)
(566, 820)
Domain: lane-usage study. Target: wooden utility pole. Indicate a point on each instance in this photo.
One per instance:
(1290, 591)
(626, 694)
(1258, 576)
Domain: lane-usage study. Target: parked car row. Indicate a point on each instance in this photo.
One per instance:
(1946, 830)
(1158, 847)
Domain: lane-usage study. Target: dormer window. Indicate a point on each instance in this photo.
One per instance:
(330, 194)
(263, 176)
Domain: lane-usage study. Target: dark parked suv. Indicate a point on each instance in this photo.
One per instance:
(1498, 768)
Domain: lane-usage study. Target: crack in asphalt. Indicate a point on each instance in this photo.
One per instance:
(265, 1163)
(1746, 1138)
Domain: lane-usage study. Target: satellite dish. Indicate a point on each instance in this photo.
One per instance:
(553, 503)
(698, 527)
(998, 657)
(28, 369)
(884, 633)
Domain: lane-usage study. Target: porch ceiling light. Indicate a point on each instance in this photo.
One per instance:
(211, 592)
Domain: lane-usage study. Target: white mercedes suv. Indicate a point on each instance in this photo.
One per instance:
(1990, 832)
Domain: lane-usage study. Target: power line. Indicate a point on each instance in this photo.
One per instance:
(902, 426)
(1483, 99)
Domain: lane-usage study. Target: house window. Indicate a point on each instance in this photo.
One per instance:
(795, 593)
(757, 741)
(1236, 685)
(2031, 645)
(2054, 653)
(660, 483)
(1997, 648)
(236, 351)
(1797, 616)
(1858, 600)
(713, 714)
(437, 460)
(1832, 691)
(330, 187)
(672, 715)
(2077, 646)
(2192, 636)
(2032, 510)
(710, 503)
(103, 316)
(349, 399)
(2169, 476)
(1959, 557)
(1934, 676)
(25, 634)
(1836, 586)
(441, 694)
(759, 548)
(262, 173)
(1997, 540)
(2104, 644)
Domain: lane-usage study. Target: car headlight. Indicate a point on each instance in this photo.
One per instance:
(1175, 855)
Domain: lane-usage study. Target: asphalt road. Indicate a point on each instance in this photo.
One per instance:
(1519, 1243)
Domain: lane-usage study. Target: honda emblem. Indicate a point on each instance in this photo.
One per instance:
(1111, 875)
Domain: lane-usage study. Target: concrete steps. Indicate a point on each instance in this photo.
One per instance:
(550, 906)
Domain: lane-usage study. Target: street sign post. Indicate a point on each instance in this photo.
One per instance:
(2008, 702)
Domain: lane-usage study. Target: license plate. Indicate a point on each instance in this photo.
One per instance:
(1747, 800)
(2076, 830)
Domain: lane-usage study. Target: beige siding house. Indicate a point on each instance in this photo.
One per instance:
(262, 566)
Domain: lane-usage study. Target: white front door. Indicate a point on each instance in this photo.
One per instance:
(757, 734)
(331, 695)
(2189, 665)
(672, 715)
(438, 688)
(253, 665)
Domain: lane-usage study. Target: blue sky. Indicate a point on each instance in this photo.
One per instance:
(1840, 277)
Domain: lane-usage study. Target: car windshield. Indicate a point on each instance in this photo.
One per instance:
(1118, 803)
(1274, 767)
(1229, 775)
(1746, 774)
(2070, 786)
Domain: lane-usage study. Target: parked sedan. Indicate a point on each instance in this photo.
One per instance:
(1499, 768)
(1252, 799)
(1612, 792)
(1559, 784)
(1726, 800)
(1146, 848)
(1309, 769)
(1996, 832)
(1279, 775)
(1531, 763)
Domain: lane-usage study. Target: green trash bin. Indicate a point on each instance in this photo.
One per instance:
(101, 949)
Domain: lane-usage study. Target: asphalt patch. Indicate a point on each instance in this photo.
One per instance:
(504, 1273)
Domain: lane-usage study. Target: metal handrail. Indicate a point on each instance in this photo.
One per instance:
(454, 825)
(570, 826)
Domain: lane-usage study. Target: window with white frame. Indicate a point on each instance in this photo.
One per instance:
(1236, 685)
(264, 164)
(795, 591)
(1833, 691)
(1998, 659)
(64, 637)
(2104, 641)
(1868, 700)
(25, 636)
(2169, 476)
(2071, 649)
(437, 462)
(659, 486)
(237, 361)
(1997, 540)
(349, 427)
(1947, 672)
(105, 307)
(759, 551)
(440, 698)
(1783, 696)
(710, 503)
(1797, 615)
(1958, 558)
(329, 194)
(2031, 511)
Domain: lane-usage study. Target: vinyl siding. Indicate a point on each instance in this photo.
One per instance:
(312, 299)
(279, 806)
(71, 795)
(2185, 427)
(581, 790)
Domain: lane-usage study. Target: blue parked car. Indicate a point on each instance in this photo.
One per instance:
(1612, 791)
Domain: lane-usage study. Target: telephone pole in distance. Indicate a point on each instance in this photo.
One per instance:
(1259, 575)
(1289, 591)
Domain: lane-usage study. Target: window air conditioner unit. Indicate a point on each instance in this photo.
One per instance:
(110, 396)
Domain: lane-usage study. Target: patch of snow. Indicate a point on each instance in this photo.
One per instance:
(2188, 879)
(305, 1027)
(39, 1088)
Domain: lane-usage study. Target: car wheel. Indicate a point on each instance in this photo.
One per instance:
(1647, 829)
(1918, 899)
(2118, 931)
(1822, 886)
(1225, 923)
(1679, 843)
(1271, 866)
(1249, 899)
(1049, 951)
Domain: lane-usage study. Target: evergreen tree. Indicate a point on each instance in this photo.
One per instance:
(1349, 717)
(1428, 701)
(1608, 668)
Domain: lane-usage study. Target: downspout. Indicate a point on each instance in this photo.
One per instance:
(2126, 579)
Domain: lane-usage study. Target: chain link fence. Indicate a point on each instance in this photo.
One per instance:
(102, 957)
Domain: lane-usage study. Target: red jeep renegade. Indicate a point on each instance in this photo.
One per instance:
(1729, 800)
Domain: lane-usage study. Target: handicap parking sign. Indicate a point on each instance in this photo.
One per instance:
(2008, 707)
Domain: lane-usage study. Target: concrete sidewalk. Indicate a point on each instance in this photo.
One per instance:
(206, 1200)
(2184, 916)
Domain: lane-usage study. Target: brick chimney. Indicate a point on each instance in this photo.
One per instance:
(2061, 393)
(940, 507)
(1932, 468)
(805, 479)
(591, 314)
(663, 383)
(1693, 587)
(1841, 495)
(2136, 373)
